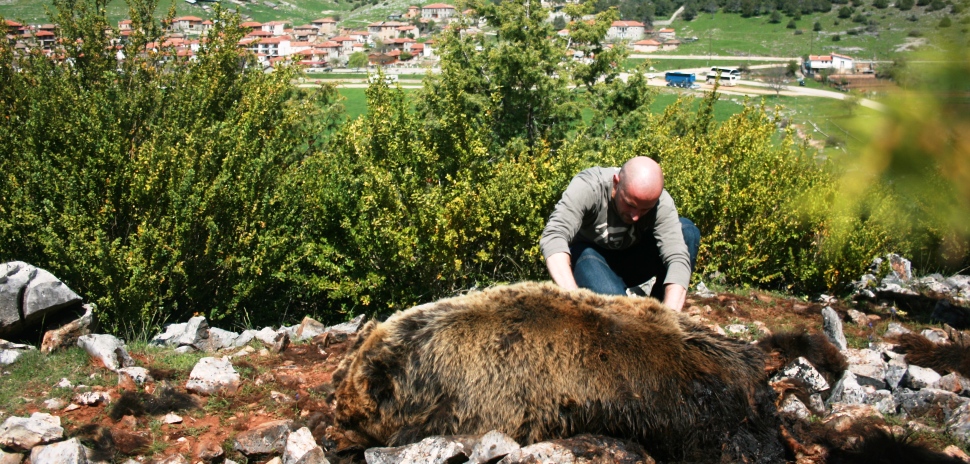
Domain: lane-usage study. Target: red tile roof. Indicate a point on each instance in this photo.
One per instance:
(627, 24)
(438, 6)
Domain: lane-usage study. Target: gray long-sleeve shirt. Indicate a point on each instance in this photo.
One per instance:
(586, 213)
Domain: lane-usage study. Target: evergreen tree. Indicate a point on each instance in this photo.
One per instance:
(775, 17)
(905, 5)
(817, 27)
(791, 24)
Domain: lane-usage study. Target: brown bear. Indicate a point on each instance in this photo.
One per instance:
(537, 362)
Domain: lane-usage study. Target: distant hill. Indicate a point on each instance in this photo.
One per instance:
(864, 31)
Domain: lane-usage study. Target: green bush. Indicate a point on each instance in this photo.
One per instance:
(153, 187)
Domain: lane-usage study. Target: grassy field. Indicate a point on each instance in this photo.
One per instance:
(667, 65)
(730, 34)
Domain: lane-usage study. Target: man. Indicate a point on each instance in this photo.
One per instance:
(615, 229)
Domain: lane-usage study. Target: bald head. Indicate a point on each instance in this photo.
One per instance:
(637, 188)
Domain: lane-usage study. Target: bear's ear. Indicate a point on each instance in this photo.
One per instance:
(366, 330)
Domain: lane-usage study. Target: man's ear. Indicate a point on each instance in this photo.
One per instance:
(616, 184)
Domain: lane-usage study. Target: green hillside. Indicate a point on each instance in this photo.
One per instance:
(869, 32)
(885, 34)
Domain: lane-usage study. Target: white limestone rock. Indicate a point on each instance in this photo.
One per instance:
(213, 375)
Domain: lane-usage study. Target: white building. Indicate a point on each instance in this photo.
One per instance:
(438, 11)
(836, 62)
(625, 30)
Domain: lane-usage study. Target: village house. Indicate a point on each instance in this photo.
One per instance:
(438, 11)
(252, 25)
(403, 45)
(306, 33)
(413, 12)
(346, 44)
(666, 34)
(671, 44)
(428, 49)
(384, 30)
(187, 24)
(124, 25)
(625, 30)
(839, 64)
(360, 37)
(276, 28)
(326, 26)
(330, 49)
(645, 46)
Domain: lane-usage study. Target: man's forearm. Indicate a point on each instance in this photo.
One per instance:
(674, 296)
(561, 271)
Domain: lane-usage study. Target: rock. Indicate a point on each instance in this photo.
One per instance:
(579, 449)
(220, 339)
(275, 460)
(14, 277)
(244, 338)
(935, 335)
(847, 391)
(350, 327)
(208, 450)
(54, 404)
(895, 329)
(92, 398)
(65, 452)
(702, 291)
(213, 375)
(802, 370)
(921, 377)
(868, 367)
(895, 372)
(431, 450)
(858, 318)
(956, 383)
(308, 329)
(106, 348)
(22, 433)
(933, 284)
(195, 334)
(10, 352)
(844, 415)
(833, 328)
(736, 329)
(882, 400)
(171, 335)
(298, 443)
(937, 404)
(68, 334)
(136, 375)
(46, 294)
(184, 349)
(491, 446)
(794, 408)
(266, 438)
(281, 342)
(172, 418)
(958, 425)
(10, 458)
(173, 459)
(544, 452)
(314, 456)
(266, 335)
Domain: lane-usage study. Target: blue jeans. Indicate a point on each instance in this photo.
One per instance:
(610, 272)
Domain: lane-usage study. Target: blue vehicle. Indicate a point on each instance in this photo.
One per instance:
(680, 79)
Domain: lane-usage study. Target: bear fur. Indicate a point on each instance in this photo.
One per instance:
(538, 363)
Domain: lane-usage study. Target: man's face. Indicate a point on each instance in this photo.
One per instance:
(630, 207)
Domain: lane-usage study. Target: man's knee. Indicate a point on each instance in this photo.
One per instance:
(592, 271)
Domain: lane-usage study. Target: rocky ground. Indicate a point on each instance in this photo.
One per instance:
(199, 394)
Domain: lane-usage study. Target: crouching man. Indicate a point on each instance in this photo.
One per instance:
(616, 231)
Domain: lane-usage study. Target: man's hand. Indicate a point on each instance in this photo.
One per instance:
(675, 296)
(561, 271)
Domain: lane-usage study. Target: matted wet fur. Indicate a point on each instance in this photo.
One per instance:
(540, 363)
(943, 358)
(817, 349)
